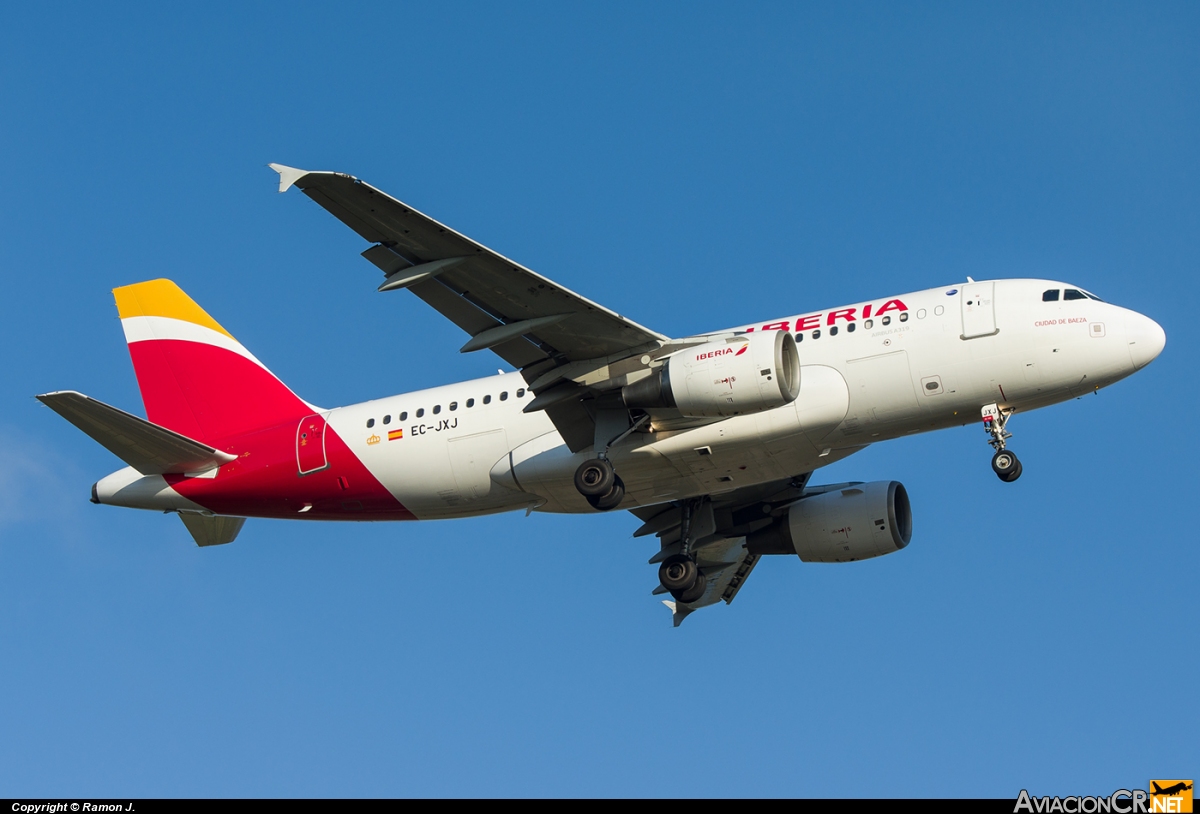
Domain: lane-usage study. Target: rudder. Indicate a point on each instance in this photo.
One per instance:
(195, 378)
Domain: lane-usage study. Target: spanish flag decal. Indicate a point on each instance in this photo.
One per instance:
(395, 435)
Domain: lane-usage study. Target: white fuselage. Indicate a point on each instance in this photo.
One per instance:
(933, 363)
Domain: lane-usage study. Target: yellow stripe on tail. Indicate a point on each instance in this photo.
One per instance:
(162, 298)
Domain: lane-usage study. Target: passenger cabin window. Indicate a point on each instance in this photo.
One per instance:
(404, 416)
(1050, 296)
(904, 317)
(504, 396)
(869, 324)
(470, 402)
(437, 408)
(850, 328)
(799, 337)
(453, 406)
(387, 419)
(1072, 294)
(817, 334)
(521, 393)
(370, 423)
(833, 330)
(420, 412)
(886, 321)
(487, 399)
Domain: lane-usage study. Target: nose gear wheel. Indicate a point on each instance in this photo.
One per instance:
(1004, 463)
(1006, 466)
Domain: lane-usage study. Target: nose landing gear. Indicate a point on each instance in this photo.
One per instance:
(1005, 463)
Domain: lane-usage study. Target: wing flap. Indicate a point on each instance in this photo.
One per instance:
(147, 447)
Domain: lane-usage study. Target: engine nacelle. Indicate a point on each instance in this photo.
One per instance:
(851, 523)
(750, 373)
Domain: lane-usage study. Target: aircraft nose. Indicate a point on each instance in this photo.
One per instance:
(1146, 339)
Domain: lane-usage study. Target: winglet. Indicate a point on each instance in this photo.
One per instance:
(677, 615)
(287, 175)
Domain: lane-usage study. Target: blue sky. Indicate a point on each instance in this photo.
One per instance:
(691, 166)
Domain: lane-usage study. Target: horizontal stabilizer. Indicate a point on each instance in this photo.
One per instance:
(148, 448)
(212, 529)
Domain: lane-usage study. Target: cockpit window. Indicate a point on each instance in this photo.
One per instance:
(1092, 296)
(1050, 296)
(1073, 294)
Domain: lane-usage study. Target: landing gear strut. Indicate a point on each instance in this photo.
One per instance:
(679, 573)
(1004, 463)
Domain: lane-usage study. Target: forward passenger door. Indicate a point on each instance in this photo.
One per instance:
(978, 310)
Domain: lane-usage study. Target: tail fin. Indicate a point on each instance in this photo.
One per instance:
(195, 378)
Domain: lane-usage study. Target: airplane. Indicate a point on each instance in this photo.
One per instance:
(1170, 791)
(710, 440)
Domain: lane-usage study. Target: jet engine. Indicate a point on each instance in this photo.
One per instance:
(854, 522)
(749, 373)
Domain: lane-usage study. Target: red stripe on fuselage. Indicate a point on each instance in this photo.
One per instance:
(265, 482)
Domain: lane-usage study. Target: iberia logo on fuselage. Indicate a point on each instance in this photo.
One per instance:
(805, 323)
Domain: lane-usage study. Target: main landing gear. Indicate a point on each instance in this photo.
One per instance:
(1005, 463)
(597, 481)
(679, 573)
(595, 478)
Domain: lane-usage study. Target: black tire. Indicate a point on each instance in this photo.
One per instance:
(693, 593)
(613, 499)
(595, 478)
(1004, 464)
(678, 573)
(1012, 476)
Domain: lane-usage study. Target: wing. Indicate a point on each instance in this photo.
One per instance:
(557, 338)
(719, 528)
(522, 316)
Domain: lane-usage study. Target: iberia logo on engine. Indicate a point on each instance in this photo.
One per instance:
(712, 354)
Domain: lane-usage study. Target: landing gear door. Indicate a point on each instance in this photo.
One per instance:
(978, 310)
(310, 445)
